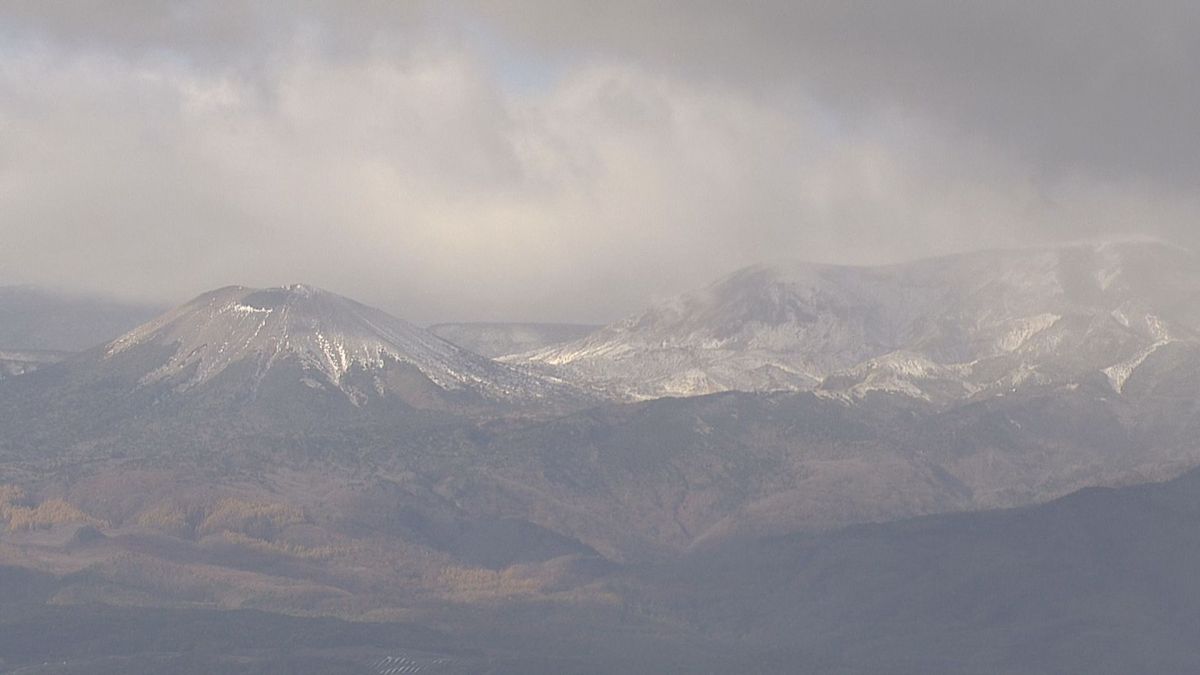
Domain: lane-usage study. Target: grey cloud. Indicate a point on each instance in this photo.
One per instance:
(569, 161)
(1076, 84)
(212, 33)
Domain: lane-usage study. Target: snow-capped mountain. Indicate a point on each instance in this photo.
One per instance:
(943, 328)
(247, 336)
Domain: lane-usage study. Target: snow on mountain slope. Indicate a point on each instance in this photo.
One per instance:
(330, 339)
(942, 328)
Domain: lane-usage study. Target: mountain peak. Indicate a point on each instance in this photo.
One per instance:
(329, 338)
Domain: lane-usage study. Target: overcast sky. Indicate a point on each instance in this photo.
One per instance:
(572, 161)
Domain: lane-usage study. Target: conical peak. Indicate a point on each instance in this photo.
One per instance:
(322, 333)
(323, 330)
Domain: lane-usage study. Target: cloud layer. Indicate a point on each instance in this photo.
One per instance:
(556, 161)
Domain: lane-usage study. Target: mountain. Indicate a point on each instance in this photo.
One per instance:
(296, 352)
(667, 475)
(333, 341)
(293, 451)
(248, 382)
(1100, 581)
(39, 320)
(494, 340)
(944, 329)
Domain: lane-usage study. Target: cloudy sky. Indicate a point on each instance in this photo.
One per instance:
(571, 161)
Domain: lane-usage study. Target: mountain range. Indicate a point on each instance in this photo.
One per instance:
(755, 445)
(984, 380)
(951, 328)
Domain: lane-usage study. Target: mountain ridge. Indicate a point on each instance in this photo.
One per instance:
(946, 328)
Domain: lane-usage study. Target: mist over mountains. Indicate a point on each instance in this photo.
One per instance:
(948, 328)
(38, 326)
(529, 337)
(495, 340)
(689, 471)
(34, 319)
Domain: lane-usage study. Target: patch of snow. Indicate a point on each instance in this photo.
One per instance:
(247, 309)
(1119, 373)
(1025, 328)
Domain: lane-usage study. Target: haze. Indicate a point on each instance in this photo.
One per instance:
(774, 336)
(570, 161)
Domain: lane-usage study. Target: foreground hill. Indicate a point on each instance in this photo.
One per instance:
(944, 329)
(1101, 581)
